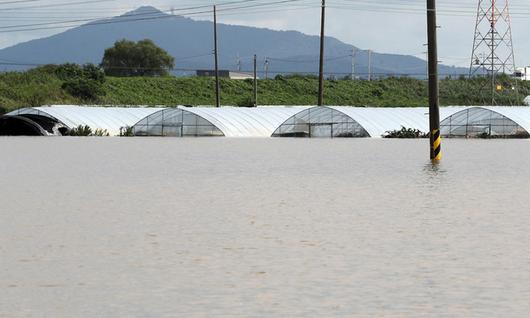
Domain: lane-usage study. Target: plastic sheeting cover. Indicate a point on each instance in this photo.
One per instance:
(247, 122)
(379, 120)
(111, 119)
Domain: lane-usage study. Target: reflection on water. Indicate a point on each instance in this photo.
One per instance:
(263, 228)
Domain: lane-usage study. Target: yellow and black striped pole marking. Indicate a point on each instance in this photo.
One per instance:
(436, 145)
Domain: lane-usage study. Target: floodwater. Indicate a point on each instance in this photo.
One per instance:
(110, 227)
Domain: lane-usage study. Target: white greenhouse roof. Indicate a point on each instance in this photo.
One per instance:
(111, 119)
(520, 115)
(246, 122)
(379, 120)
(262, 121)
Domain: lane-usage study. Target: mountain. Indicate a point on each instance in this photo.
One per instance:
(191, 43)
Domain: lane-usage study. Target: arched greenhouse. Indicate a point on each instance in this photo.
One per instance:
(57, 120)
(356, 122)
(269, 121)
(321, 122)
(214, 122)
(488, 122)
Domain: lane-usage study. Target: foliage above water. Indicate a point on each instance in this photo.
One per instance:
(406, 133)
(86, 131)
(127, 132)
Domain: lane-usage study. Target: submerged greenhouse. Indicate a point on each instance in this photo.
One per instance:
(321, 122)
(224, 121)
(57, 120)
(356, 122)
(488, 122)
(268, 121)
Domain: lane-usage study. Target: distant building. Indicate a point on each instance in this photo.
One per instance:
(522, 73)
(225, 74)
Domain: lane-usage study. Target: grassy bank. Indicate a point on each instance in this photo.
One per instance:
(40, 87)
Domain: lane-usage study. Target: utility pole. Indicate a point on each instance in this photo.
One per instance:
(434, 99)
(353, 64)
(255, 80)
(427, 59)
(238, 62)
(217, 86)
(266, 68)
(369, 65)
(321, 71)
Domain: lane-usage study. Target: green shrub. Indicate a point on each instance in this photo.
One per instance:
(127, 132)
(93, 72)
(86, 131)
(70, 71)
(405, 133)
(81, 81)
(81, 131)
(86, 89)
(246, 102)
(33, 95)
(101, 133)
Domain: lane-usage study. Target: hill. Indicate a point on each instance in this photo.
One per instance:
(190, 42)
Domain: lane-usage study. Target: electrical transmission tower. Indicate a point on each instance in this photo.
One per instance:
(493, 47)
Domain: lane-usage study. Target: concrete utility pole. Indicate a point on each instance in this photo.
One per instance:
(434, 100)
(321, 71)
(255, 80)
(217, 86)
(266, 68)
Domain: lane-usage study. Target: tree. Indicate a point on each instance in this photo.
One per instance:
(143, 58)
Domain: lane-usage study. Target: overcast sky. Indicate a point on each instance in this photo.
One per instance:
(387, 26)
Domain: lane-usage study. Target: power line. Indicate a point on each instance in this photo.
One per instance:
(56, 5)
(289, 72)
(17, 1)
(125, 18)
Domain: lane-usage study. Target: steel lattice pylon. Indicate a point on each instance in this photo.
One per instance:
(493, 46)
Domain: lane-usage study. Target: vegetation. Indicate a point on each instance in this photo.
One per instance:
(68, 84)
(101, 133)
(143, 58)
(81, 131)
(84, 82)
(127, 132)
(406, 133)
(86, 131)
